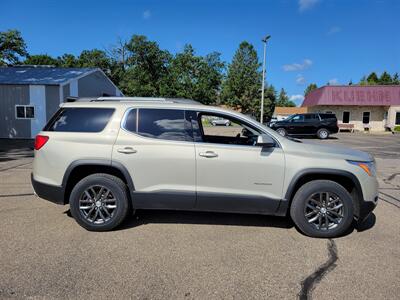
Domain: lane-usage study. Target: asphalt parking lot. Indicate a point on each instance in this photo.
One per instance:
(182, 255)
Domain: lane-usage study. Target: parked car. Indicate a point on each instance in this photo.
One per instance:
(319, 124)
(108, 158)
(220, 121)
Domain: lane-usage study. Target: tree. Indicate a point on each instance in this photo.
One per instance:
(94, 59)
(385, 78)
(242, 85)
(67, 61)
(41, 59)
(372, 78)
(12, 47)
(146, 68)
(195, 77)
(310, 87)
(283, 100)
(395, 79)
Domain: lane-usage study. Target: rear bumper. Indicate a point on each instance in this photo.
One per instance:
(48, 192)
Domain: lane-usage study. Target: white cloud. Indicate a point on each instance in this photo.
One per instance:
(146, 14)
(334, 29)
(298, 66)
(296, 98)
(307, 4)
(300, 79)
(333, 81)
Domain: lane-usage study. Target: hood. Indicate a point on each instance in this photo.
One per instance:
(335, 152)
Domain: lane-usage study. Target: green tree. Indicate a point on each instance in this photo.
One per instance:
(67, 61)
(194, 77)
(12, 47)
(385, 78)
(283, 100)
(94, 59)
(41, 59)
(146, 68)
(395, 79)
(242, 85)
(372, 78)
(310, 87)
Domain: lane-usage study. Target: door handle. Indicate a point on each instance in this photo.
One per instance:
(127, 150)
(208, 154)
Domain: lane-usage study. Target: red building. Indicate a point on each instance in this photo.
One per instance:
(374, 108)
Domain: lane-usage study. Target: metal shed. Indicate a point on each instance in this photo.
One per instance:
(29, 95)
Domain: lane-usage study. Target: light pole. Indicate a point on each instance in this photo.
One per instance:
(264, 40)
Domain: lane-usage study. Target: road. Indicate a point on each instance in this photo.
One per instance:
(183, 255)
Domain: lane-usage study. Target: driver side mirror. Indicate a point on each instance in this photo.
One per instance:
(265, 141)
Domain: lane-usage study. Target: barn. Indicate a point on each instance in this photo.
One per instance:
(30, 95)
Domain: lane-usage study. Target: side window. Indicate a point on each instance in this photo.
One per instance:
(310, 118)
(298, 118)
(131, 120)
(226, 130)
(24, 112)
(79, 119)
(166, 124)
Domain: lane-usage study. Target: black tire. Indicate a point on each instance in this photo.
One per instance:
(282, 131)
(120, 194)
(323, 133)
(301, 198)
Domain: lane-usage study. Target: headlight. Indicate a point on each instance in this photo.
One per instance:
(367, 166)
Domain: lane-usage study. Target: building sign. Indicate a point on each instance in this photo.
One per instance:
(361, 96)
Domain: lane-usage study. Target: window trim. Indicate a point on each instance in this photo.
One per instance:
(343, 116)
(221, 114)
(127, 111)
(24, 106)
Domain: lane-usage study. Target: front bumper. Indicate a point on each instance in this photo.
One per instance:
(366, 208)
(48, 192)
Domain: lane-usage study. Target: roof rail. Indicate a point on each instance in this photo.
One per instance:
(150, 99)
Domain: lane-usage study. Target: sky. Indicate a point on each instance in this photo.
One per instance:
(312, 41)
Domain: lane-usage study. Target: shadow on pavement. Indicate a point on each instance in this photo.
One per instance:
(144, 217)
(12, 149)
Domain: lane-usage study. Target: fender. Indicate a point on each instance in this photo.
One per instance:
(98, 162)
(285, 203)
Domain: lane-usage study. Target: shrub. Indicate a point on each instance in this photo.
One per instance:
(397, 128)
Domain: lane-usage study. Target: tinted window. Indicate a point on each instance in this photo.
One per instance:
(29, 112)
(310, 118)
(298, 118)
(164, 124)
(131, 120)
(76, 119)
(327, 116)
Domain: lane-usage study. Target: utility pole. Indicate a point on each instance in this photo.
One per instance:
(264, 40)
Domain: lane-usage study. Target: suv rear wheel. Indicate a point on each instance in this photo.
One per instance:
(322, 208)
(99, 202)
(323, 133)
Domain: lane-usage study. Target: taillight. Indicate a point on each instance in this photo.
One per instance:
(40, 140)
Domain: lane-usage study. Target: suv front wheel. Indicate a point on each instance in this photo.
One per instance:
(322, 208)
(99, 202)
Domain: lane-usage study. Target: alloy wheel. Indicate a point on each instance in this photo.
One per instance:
(324, 210)
(97, 204)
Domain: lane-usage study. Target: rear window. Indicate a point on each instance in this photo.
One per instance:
(327, 116)
(80, 119)
(166, 124)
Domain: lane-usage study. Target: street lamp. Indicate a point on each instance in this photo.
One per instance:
(264, 40)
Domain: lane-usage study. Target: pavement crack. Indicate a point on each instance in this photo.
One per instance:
(309, 283)
(17, 195)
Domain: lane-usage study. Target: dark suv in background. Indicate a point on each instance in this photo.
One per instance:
(321, 125)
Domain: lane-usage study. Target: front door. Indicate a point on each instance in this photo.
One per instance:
(296, 125)
(156, 147)
(233, 174)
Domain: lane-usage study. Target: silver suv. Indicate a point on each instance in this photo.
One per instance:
(109, 157)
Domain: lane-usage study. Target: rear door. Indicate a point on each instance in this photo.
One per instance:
(157, 148)
(311, 123)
